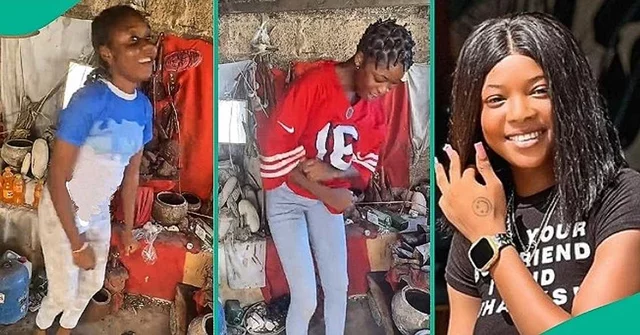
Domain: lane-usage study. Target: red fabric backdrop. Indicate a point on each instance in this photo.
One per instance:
(194, 102)
(158, 280)
(396, 150)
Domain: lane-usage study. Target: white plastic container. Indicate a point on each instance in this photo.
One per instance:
(10, 254)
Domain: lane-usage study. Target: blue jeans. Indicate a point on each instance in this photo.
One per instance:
(298, 226)
(221, 319)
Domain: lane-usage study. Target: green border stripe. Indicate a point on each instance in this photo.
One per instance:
(215, 169)
(432, 152)
(26, 17)
(619, 318)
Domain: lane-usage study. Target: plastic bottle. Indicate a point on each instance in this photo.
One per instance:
(18, 190)
(37, 193)
(14, 290)
(9, 254)
(1, 185)
(7, 186)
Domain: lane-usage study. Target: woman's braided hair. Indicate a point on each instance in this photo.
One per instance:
(388, 43)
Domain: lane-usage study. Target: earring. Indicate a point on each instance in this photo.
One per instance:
(357, 67)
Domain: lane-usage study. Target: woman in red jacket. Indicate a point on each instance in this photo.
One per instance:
(322, 140)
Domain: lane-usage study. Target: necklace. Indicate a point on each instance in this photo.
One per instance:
(513, 220)
(512, 229)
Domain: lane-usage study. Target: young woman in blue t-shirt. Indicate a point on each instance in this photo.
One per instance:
(98, 148)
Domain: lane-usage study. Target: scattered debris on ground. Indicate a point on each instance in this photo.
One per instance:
(138, 302)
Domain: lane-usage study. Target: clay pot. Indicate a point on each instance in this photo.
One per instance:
(98, 307)
(116, 279)
(169, 208)
(202, 325)
(193, 202)
(14, 151)
(410, 310)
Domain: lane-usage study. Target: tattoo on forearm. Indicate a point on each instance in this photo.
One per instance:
(482, 206)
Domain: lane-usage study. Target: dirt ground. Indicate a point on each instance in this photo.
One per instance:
(151, 320)
(154, 320)
(359, 320)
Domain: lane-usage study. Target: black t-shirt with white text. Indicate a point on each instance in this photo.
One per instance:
(563, 257)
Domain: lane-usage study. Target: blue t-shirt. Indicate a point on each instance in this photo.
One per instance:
(109, 126)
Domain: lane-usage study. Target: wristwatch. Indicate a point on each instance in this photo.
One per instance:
(485, 251)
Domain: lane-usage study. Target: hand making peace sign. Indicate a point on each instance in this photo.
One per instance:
(476, 210)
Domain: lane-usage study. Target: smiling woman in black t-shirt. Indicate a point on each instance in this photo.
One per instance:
(553, 228)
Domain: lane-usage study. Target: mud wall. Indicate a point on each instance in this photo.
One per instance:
(329, 33)
(188, 18)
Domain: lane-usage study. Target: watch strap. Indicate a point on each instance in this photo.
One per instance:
(503, 240)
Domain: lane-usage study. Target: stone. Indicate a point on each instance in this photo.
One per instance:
(380, 297)
(183, 309)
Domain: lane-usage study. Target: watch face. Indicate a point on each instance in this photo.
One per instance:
(481, 253)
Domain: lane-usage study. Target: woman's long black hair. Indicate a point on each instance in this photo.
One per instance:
(587, 152)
